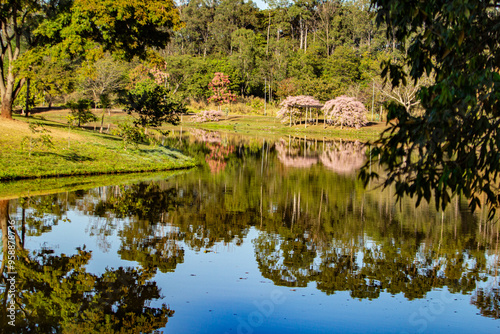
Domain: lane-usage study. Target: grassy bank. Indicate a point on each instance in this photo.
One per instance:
(244, 124)
(77, 152)
(253, 124)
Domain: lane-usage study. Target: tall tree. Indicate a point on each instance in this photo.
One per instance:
(246, 52)
(230, 15)
(123, 27)
(17, 19)
(197, 16)
(453, 147)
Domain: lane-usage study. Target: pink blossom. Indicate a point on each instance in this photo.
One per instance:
(207, 116)
(294, 107)
(219, 86)
(345, 111)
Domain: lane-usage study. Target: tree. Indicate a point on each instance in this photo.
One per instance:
(246, 53)
(219, 86)
(80, 112)
(125, 27)
(346, 111)
(42, 137)
(294, 107)
(104, 77)
(153, 106)
(453, 147)
(287, 87)
(76, 27)
(17, 20)
(197, 16)
(230, 15)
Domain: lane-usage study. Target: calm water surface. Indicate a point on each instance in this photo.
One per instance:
(267, 236)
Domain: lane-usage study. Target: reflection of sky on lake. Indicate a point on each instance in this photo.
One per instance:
(227, 287)
(223, 291)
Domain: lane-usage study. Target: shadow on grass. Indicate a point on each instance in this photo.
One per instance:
(88, 130)
(162, 150)
(73, 157)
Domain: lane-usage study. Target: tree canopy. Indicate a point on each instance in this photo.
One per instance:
(452, 148)
(71, 28)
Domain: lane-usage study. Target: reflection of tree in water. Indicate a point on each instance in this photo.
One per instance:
(40, 214)
(367, 271)
(162, 215)
(206, 136)
(487, 301)
(217, 158)
(56, 294)
(288, 262)
(339, 271)
(153, 246)
(343, 157)
(147, 238)
(289, 157)
(219, 149)
(373, 249)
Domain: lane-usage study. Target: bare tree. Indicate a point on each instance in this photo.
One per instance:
(106, 76)
(406, 95)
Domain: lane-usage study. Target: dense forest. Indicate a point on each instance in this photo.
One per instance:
(319, 48)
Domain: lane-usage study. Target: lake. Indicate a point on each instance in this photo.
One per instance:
(268, 235)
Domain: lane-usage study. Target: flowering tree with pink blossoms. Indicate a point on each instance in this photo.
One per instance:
(219, 86)
(159, 74)
(294, 107)
(345, 111)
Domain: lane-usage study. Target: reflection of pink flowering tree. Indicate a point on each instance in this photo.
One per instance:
(345, 111)
(219, 86)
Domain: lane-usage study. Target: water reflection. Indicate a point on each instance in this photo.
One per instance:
(314, 226)
(340, 156)
(55, 293)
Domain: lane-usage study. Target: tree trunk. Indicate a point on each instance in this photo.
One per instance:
(301, 34)
(327, 42)
(102, 120)
(268, 30)
(305, 40)
(6, 108)
(27, 111)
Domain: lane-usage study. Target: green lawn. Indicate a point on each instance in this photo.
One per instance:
(244, 124)
(269, 125)
(78, 152)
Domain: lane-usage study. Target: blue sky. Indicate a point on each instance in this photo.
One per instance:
(261, 4)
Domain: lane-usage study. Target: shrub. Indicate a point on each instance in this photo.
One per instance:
(207, 116)
(153, 105)
(80, 112)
